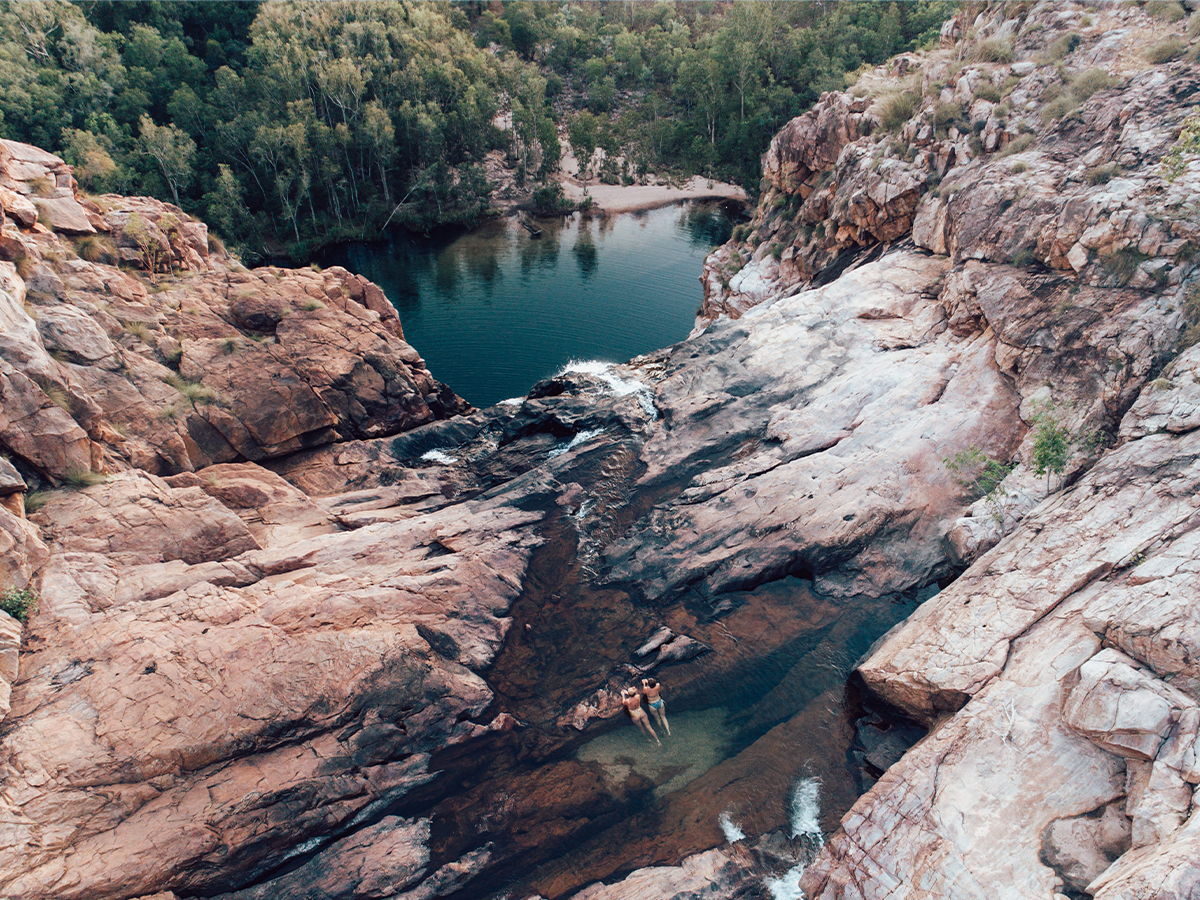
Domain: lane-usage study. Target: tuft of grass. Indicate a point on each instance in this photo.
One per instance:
(25, 267)
(1018, 168)
(1164, 51)
(35, 500)
(1124, 263)
(1193, 28)
(1101, 174)
(315, 267)
(169, 413)
(1025, 258)
(312, 305)
(776, 252)
(1061, 47)
(1085, 22)
(82, 478)
(229, 346)
(193, 390)
(41, 186)
(1166, 10)
(174, 357)
(1075, 93)
(216, 246)
(896, 109)
(58, 396)
(1017, 145)
(139, 330)
(985, 90)
(994, 50)
(20, 603)
(96, 248)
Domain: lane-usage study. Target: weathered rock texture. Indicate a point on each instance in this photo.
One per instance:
(287, 650)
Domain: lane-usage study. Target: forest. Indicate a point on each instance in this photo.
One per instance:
(292, 125)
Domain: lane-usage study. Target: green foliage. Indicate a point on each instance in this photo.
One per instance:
(548, 200)
(982, 476)
(1186, 147)
(304, 122)
(1164, 51)
(312, 305)
(97, 248)
(1062, 46)
(20, 603)
(1025, 258)
(985, 90)
(35, 500)
(1191, 316)
(1052, 443)
(946, 116)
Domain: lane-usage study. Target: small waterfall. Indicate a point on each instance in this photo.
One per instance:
(622, 387)
(804, 814)
(730, 829)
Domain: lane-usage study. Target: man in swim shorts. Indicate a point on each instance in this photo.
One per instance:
(632, 701)
(652, 690)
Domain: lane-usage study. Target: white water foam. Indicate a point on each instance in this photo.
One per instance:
(512, 401)
(582, 438)
(804, 814)
(730, 828)
(787, 886)
(622, 387)
(805, 810)
(437, 456)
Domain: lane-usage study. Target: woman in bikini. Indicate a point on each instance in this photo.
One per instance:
(632, 701)
(653, 689)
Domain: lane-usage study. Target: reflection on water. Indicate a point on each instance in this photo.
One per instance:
(495, 310)
(698, 741)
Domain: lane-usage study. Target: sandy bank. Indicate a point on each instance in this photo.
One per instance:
(615, 198)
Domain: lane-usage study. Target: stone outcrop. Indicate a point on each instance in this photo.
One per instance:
(316, 635)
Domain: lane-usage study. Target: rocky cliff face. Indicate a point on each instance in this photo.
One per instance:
(315, 635)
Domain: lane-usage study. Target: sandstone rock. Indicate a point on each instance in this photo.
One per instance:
(11, 481)
(1082, 847)
(63, 214)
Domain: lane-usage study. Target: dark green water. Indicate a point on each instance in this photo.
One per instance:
(495, 310)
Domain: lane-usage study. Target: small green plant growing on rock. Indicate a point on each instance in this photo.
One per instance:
(1052, 443)
(1167, 10)
(982, 476)
(1187, 145)
(194, 391)
(1101, 174)
(896, 109)
(1164, 51)
(994, 50)
(312, 305)
(81, 478)
(1124, 263)
(230, 346)
(20, 603)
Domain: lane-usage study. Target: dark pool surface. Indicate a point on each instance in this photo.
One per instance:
(495, 310)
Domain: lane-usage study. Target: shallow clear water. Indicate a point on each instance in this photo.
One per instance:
(495, 310)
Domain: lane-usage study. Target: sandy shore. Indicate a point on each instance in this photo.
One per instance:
(616, 198)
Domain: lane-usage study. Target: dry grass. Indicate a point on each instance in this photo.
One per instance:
(1164, 51)
(994, 50)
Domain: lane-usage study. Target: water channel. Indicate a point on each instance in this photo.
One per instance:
(495, 310)
(763, 733)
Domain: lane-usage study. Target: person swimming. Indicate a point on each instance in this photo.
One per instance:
(653, 690)
(632, 701)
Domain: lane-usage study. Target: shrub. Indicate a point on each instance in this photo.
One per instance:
(1071, 96)
(1018, 168)
(1052, 443)
(20, 603)
(1101, 174)
(1193, 27)
(230, 345)
(1191, 317)
(896, 109)
(982, 476)
(1025, 258)
(946, 115)
(739, 233)
(994, 50)
(776, 252)
(96, 248)
(987, 91)
(1164, 51)
(216, 245)
(1061, 47)
(58, 396)
(1167, 10)
(312, 305)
